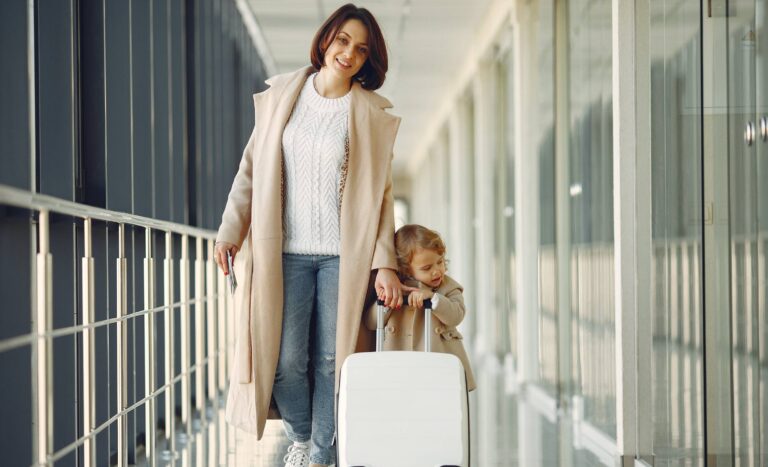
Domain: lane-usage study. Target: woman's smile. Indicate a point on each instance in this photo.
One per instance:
(343, 64)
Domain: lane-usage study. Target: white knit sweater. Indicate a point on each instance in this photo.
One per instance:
(314, 149)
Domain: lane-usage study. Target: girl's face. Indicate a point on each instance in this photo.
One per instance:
(348, 50)
(428, 267)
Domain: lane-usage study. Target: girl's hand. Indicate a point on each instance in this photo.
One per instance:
(389, 288)
(220, 254)
(416, 299)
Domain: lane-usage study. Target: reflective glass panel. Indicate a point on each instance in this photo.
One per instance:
(591, 190)
(676, 287)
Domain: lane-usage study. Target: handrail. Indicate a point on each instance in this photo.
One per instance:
(28, 200)
(207, 309)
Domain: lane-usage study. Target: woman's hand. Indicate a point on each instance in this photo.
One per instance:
(220, 254)
(416, 298)
(390, 289)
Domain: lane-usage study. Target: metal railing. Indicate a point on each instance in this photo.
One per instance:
(211, 338)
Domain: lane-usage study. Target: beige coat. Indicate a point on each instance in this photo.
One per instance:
(255, 203)
(405, 328)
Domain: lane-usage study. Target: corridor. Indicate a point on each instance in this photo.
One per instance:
(595, 169)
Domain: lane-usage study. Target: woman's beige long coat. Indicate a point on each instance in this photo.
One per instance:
(254, 213)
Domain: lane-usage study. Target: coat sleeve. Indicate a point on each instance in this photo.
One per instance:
(384, 251)
(236, 219)
(450, 308)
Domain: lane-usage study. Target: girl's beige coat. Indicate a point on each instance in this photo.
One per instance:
(253, 218)
(405, 328)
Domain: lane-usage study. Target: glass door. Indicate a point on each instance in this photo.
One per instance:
(747, 221)
(761, 207)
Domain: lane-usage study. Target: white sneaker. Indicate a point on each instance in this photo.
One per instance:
(298, 456)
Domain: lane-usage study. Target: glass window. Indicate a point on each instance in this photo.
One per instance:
(591, 189)
(675, 55)
(545, 140)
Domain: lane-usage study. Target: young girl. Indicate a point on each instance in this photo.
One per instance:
(421, 263)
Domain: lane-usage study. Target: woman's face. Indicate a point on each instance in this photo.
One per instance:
(348, 50)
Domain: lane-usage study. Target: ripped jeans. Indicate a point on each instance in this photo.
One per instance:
(310, 293)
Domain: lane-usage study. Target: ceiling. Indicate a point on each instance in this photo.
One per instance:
(428, 40)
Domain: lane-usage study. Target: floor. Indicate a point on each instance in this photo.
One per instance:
(508, 430)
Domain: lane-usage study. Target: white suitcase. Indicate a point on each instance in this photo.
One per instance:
(403, 409)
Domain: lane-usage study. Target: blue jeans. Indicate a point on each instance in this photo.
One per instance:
(310, 287)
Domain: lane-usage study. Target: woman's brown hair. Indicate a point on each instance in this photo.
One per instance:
(372, 73)
(409, 238)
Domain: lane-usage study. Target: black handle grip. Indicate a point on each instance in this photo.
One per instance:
(427, 302)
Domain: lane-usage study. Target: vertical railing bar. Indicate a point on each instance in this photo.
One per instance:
(150, 370)
(213, 366)
(89, 406)
(168, 284)
(229, 338)
(122, 350)
(222, 332)
(185, 345)
(42, 356)
(210, 330)
(199, 327)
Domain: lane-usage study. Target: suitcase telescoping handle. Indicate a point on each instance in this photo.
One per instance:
(381, 310)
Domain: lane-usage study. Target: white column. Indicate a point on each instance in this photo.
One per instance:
(526, 189)
(437, 174)
(484, 91)
(461, 196)
(632, 225)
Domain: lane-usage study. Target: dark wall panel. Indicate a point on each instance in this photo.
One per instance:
(55, 98)
(15, 247)
(178, 120)
(141, 76)
(118, 104)
(92, 111)
(15, 163)
(15, 295)
(162, 132)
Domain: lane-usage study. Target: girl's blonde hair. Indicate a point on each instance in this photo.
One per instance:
(409, 238)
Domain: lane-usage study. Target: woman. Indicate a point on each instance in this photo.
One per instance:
(313, 194)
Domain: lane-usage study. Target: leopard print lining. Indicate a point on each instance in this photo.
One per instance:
(344, 167)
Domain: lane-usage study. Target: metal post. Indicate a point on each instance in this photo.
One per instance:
(211, 333)
(199, 326)
(42, 356)
(380, 311)
(89, 406)
(428, 325)
(221, 344)
(211, 328)
(184, 349)
(150, 370)
(122, 350)
(170, 403)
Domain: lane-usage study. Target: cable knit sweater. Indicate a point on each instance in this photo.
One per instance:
(314, 152)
